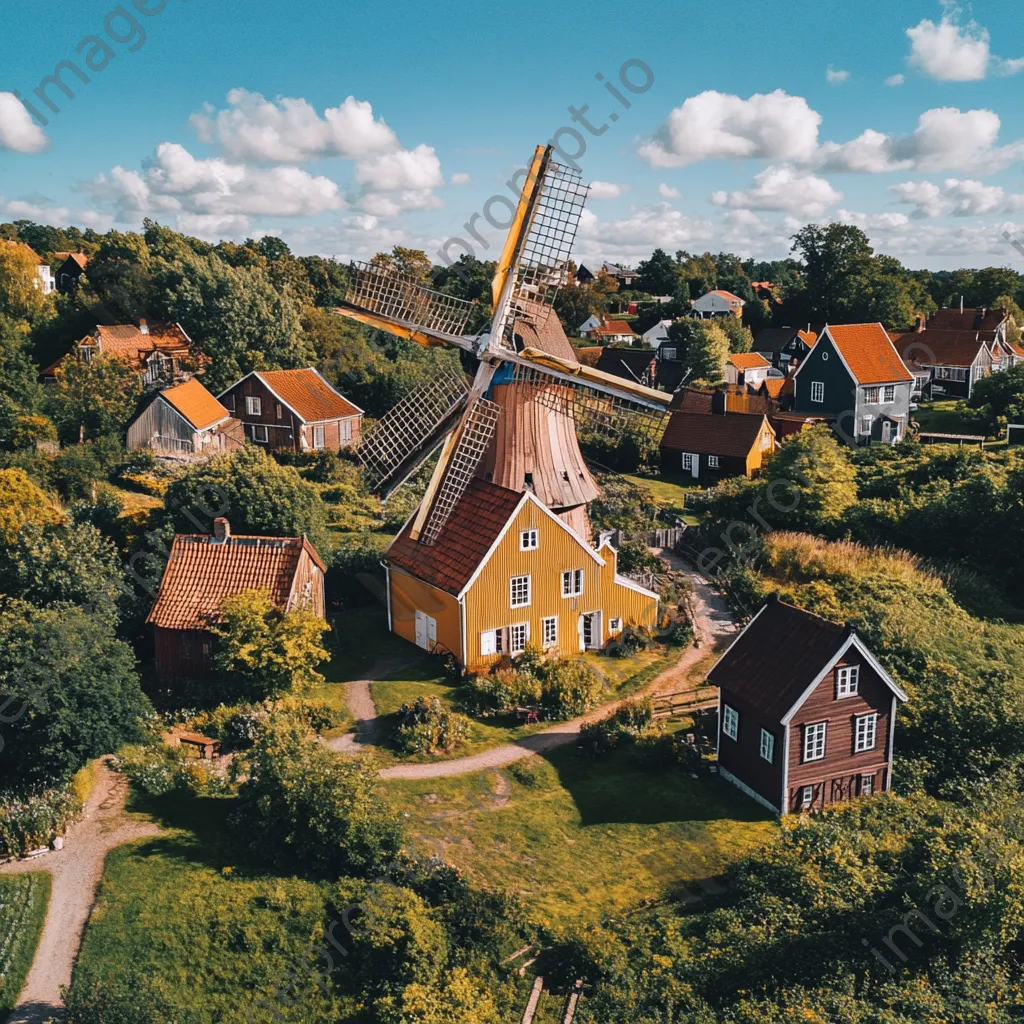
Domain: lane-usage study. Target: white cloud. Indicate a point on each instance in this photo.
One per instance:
(959, 197)
(461, 178)
(390, 204)
(289, 130)
(872, 221)
(668, 192)
(834, 76)
(784, 189)
(18, 132)
(951, 52)
(43, 212)
(896, 79)
(606, 190)
(398, 181)
(715, 125)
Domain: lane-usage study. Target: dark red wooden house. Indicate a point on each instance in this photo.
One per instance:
(805, 712)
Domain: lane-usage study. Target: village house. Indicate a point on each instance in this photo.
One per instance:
(161, 352)
(718, 303)
(589, 324)
(611, 332)
(855, 380)
(805, 711)
(504, 572)
(709, 445)
(68, 270)
(204, 570)
(184, 420)
(623, 275)
(654, 336)
(784, 347)
(295, 410)
(953, 360)
(635, 364)
(746, 368)
(44, 281)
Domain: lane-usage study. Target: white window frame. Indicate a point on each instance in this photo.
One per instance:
(345, 430)
(815, 738)
(767, 746)
(228, 401)
(866, 423)
(572, 583)
(872, 395)
(549, 631)
(253, 405)
(688, 461)
(319, 436)
(518, 629)
(730, 722)
(278, 411)
(889, 393)
(489, 643)
(529, 540)
(847, 681)
(256, 428)
(766, 440)
(669, 354)
(712, 462)
(806, 797)
(522, 585)
(865, 735)
(614, 626)
(867, 784)
(817, 391)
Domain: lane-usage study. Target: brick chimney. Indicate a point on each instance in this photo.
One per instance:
(920, 323)
(143, 327)
(221, 529)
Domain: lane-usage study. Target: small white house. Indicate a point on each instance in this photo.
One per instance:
(588, 325)
(718, 303)
(655, 335)
(747, 368)
(46, 280)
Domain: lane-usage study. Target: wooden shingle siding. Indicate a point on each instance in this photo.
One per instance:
(158, 419)
(742, 756)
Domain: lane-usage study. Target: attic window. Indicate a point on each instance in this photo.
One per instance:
(847, 681)
(824, 357)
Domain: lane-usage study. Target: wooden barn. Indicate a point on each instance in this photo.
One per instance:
(293, 409)
(184, 420)
(805, 711)
(204, 570)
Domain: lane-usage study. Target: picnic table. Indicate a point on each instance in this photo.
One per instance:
(529, 714)
(208, 748)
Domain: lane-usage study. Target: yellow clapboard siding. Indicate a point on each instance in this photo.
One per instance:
(409, 595)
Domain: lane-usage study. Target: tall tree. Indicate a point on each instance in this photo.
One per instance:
(836, 258)
(99, 396)
(658, 275)
(705, 349)
(21, 291)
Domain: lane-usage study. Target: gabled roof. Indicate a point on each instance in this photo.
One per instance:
(781, 655)
(127, 341)
(774, 339)
(80, 259)
(772, 386)
(980, 319)
(693, 400)
(306, 393)
(731, 434)
(638, 361)
(202, 572)
(723, 294)
(612, 327)
(196, 404)
(868, 353)
(747, 361)
(942, 348)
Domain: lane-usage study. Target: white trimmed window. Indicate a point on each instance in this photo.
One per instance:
(889, 393)
(318, 437)
(279, 411)
(572, 583)
(806, 797)
(528, 540)
(872, 395)
(867, 785)
(712, 462)
(614, 626)
(253, 406)
(688, 462)
(814, 741)
(492, 641)
(228, 401)
(519, 591)
(767, 746)
(259, 433)
(730, 721)
(866, 733)
(847, 681)
(345, 428)
(517, 637)
(669, 353)
(865, 424)
(817, 391)
(549, 631)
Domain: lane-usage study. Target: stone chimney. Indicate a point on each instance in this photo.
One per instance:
(143, 327)
(221, 529)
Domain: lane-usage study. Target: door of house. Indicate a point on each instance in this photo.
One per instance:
(691, 463)
(590, 631)
(886, 430)
(426, 631)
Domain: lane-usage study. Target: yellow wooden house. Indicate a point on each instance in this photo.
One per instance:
(507, 571)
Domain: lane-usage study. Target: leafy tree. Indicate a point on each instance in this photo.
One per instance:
(658, 275)
(577, 303)
(704, 349)
(467, 278)
(99, 396)
(328, 278)
(414, 263)
(21, 291)
(740, 338)
(21, 394)
(757, 315)
(993, 282)
(1000, 396)
(258, 495)
(834, 257)
(74, 690)
(1007, 303)
(306, 807)
(23, 504)
(121, 272)
(270, 651)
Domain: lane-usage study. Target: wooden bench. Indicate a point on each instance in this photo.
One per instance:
(208, 748)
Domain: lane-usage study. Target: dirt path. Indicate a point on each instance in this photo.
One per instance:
(76, 872)
(712, 622)
(360, 705)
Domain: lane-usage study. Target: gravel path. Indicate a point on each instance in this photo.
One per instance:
(76, 872)
(712, 622)
(360, 705)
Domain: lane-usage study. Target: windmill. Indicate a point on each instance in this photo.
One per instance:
(516, 423)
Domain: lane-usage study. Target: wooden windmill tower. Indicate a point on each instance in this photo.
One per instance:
(516, 424)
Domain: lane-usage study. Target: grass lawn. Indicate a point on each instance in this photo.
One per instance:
(579, 838)
(944, 418)
(23, 902)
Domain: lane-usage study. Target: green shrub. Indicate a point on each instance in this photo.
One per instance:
(428, 726)
(30, 821)
(630, 721)
(678, 633)
(159, 769)
(571, 688)
(632, 640)
(665, 750)
(502, 691)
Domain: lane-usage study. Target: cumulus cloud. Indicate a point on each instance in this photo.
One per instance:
(785, 189)
(952, 52)
(668, 192)
(896, 79)
(606, 190)
(290, 131)
(715, 125)
(959, 197)
(836, 77)
(398, 181)
(43, 211)
(18, 132)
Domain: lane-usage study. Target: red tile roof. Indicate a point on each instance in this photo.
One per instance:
(308, 395)
(733, 434)
(728, 296)
(202, 572)
(80, 258)
(474, 526)
(773, 386)
(869, 353)
(195, 403)
(613, 327)
(692, 400)
(780, 654)
(127, 341)
(748, 360)
(941, 348)
(969, 320)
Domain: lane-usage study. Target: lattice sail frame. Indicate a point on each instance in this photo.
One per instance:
(477, 432)
(401, 430)
(593, 410)
(397, 296)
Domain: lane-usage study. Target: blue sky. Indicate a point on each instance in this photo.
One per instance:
(758, 119)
